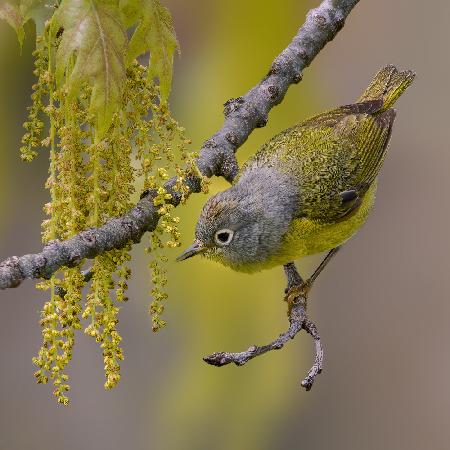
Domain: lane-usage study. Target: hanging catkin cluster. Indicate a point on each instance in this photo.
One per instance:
(104, 142)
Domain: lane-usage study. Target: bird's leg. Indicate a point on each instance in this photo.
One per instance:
(296, 285)
(322, 265)
(296, 295)
(295, 281)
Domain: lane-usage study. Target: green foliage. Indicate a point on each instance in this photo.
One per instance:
(96, 40)
(18, 12)
(110, 130)
(154, 33)
(10, 11)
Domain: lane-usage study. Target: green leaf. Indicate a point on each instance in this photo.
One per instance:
(10, 11)
(154, 33)
(94, 38)
(37, 10)
(18, 12)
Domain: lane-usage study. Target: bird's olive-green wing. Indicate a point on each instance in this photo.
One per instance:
(334, 156)
(343, 156)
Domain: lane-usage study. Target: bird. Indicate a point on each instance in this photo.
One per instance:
(307, 190)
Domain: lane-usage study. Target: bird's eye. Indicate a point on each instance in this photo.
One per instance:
(223, 237)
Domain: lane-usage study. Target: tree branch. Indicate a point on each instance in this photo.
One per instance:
(296, 296)
(298, 320)
(242, 116)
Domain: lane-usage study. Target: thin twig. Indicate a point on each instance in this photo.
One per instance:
(217, 156)
(297, 294)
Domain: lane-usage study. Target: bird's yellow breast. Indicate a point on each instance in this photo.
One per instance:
(307, 237)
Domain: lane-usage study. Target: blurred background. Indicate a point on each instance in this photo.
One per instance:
(382, 305)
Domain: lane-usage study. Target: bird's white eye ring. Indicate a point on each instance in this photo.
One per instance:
(224, 236)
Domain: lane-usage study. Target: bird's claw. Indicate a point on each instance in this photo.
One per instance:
(296, 294)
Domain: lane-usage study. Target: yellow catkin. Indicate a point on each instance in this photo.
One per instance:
(90, 181)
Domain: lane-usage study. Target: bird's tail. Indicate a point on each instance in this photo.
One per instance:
(387, 85)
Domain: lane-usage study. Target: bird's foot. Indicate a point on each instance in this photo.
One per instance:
(296, 294)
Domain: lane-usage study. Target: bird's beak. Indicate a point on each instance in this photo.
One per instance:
(195, 249)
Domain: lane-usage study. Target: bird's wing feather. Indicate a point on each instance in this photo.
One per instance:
(349, 164)
(331, 154)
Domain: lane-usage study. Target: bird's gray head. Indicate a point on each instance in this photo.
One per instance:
(242, 226)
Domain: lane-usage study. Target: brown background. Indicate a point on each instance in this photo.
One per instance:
(382, 306)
